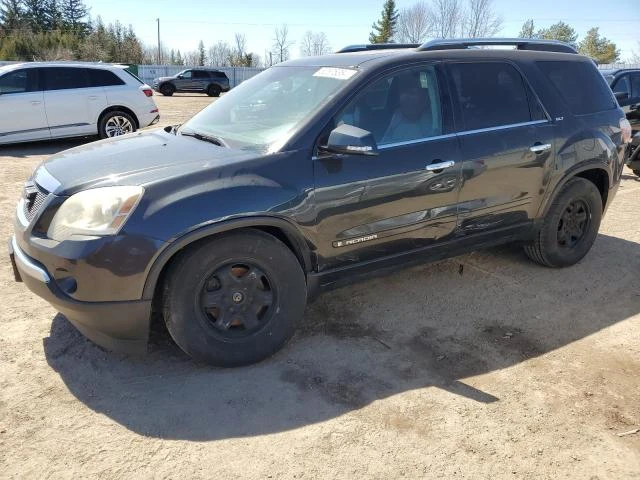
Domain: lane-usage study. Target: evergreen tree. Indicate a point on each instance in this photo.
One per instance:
(527, 30)
(179, 60)
(601, 49)
(74, 14)
(172, 57)
(559, 31)
(201, 54)
(385, 28)
(35, 13)
(11, 15)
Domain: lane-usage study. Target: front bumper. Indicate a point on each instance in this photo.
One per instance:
(119, 326)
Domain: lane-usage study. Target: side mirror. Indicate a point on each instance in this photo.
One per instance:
(180, 77)
(351, 140)
(622, 96)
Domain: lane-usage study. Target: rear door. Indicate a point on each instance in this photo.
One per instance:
(22, 115)
(404, 198)
(506, 140)
(72, 103)
(201, 80)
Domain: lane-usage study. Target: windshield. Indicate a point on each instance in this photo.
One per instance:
(263, 112)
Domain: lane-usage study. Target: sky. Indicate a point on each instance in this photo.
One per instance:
(184, 23)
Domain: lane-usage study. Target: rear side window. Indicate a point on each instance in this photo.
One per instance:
(103, 78)
(64, 78)
(491, 94)
(580, 85)
(218, 75)
(134, 76)
(18, 81)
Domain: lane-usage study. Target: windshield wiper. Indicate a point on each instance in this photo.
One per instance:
(205, 138)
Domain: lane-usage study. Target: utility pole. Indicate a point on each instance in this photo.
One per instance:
(159, 50)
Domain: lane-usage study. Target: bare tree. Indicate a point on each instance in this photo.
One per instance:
(415, 23)
(241, 44)
(448, 18)
(191, 58)
(314, 44)
(480, 20)
(219, 54)
(635, 56)
(281, 43)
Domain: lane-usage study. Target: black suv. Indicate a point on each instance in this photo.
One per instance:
(211, 82)
(625, 84)
(318, 172)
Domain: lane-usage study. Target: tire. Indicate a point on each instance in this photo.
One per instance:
(213, 91)
(116, 123)
(234, 300)
(570, 226)
(167, 89)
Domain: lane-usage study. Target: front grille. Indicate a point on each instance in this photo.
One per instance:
(33, 197)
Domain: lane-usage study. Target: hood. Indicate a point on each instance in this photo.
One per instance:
(137, 159)
(164, 79)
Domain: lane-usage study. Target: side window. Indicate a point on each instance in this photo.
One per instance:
(580, 85)
(219, 75)
(491, 94)
(64, 78)
(103, 78)
(18, 81)
(200, 74)
(635, 85)
(186, 74)
(401, 107)
(622, 85)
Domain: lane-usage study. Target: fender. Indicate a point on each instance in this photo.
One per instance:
(568, 175)
(301, 247)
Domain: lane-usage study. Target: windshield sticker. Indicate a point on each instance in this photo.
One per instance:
(337, 73)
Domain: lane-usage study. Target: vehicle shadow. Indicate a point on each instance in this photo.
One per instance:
(45, 147)
(430, 326)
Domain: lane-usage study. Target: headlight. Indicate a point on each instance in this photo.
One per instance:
(99, 211)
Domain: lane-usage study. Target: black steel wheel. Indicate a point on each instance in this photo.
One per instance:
(570, 226)
(167, 89)
(235, 299)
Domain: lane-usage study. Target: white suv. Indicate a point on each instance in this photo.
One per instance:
(40, 101)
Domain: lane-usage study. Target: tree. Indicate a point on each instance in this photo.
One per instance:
(635, 56)
(385, 28)
(415, 23)
(202, 56)
(601, 49)
(559, 31)
(448, 18)
(179, 60)
(35, 14)
(480, 20)
(219, 54)
(74, 14)
(281, 43)
(527, 30)
(314, 44)
(11, 15)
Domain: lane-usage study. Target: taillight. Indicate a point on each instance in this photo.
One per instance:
(625, 128)
(148, 92)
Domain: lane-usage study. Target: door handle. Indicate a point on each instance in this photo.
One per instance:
(36, 102)
(440, 165)
(540, 147)
(93, 97)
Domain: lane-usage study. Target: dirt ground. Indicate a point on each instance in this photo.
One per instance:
(482, 366)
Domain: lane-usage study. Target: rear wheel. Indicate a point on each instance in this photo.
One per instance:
(167, 89)
(213, 91)
(234, 300)
(570, 226)
(114, 124)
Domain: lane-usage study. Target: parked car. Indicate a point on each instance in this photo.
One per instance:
(41, 101)
(625, 84)
(315, 173)
(209, 81)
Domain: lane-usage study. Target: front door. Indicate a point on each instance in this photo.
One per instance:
(185, 80)
(507, 144)
(403, 199)
(22, 114)
(629, 84)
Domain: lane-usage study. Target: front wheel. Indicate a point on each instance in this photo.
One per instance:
(570, 226)
(167, 89)
(235, 299)
(114, 124)
(213, 91)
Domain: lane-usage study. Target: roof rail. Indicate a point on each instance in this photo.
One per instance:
(519, 43)
(377, 46)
